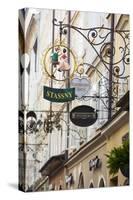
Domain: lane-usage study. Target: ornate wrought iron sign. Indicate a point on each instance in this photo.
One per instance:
(99, 39)
(58, 95)
(113, 56)
(83, 116)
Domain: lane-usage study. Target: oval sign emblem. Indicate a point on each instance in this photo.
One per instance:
(83, 116)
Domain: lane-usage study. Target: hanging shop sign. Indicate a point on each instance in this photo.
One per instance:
(69, 179)
(58, 95)
(81, 85)
(83, 116)
(95, 163)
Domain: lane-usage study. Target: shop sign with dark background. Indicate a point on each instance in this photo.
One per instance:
(83, 116)
(58, 95)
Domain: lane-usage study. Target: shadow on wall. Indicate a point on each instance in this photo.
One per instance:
(13, 185)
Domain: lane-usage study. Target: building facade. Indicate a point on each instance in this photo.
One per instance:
(62, 155)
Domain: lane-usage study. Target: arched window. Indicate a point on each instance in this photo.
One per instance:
(101, 183)
(91, 185)
(81, 181)
(126, 182)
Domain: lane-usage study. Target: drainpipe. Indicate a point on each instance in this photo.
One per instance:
(51, 82)
(111, 67)
(68, 82)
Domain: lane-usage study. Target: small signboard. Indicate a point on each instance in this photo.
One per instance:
(81, 85)
(58, 95)
(83, 116)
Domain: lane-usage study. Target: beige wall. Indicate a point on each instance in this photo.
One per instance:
(82, 165)
(57, 179)
(80, 162)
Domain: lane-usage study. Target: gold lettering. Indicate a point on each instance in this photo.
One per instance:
(48, 94)
(58, 96)
(66, 95)
(54, 95)
(61, 96)
(70, 94)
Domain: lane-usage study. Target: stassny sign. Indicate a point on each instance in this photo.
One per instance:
(58, 95)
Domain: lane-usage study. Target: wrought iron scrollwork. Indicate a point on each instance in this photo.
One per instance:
(99, 40)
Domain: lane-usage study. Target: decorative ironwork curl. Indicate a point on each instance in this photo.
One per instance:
(99, 40)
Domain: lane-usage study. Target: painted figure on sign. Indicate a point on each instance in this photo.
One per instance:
(60, 61)
(55, 57)
(55, 60)
(63, 64)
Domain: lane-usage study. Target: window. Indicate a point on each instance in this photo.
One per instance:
(91, 185)
(101, 184)
(81, 181)
(114, 181)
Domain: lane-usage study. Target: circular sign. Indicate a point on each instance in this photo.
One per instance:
(56, 72)
(83, 116)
